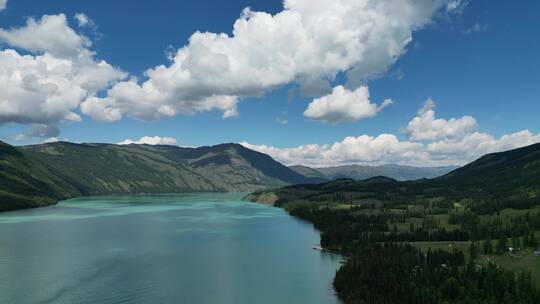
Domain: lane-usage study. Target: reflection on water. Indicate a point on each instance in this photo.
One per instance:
(182, 248)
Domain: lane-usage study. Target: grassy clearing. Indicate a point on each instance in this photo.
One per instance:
(507, 214)
(461, 246)
(523, 261)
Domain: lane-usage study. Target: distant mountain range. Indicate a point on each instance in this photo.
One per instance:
(510, 178)
(397, 172)
(39, 175)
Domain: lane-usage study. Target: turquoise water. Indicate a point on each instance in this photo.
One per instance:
(185, 248)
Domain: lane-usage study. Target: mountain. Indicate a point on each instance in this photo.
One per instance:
(490, 206)
(309, 172)
(398, 172)
(510, 179)
(25, 183)
(514, 172)
(38, 175)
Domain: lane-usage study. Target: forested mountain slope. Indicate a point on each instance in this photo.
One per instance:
(507, 178)
(471, 236)
(42, 174)
(398, 172)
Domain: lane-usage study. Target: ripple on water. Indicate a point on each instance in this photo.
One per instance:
(188, 248)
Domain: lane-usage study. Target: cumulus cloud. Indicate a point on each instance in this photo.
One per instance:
(309, 42)
(434, 142)
(3, 4)
(47, 87)
(343, 105)
(426, 127)
(150, 140)
(101, 109)
(145, 103)
(364, 149)
(50, 34)
(477, 144)
(388, 149)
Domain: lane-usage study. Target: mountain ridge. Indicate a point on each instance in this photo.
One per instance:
(37, 175)
(510, 178)
(359, 172)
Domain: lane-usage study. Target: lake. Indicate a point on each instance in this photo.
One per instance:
(180, 248)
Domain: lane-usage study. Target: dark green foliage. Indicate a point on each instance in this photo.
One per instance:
(357, 217)
(220, 159)
(502, 245)
(488, 247)
(24, 182)
(396, 273)
(500, 172)
(473, 251)
(400, 273)
(494, 182)
(397, 172)
(39, 175)
(533, 242)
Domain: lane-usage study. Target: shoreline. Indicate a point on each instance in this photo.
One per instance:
(344, 257)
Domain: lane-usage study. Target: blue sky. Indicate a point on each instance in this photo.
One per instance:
(478, 60)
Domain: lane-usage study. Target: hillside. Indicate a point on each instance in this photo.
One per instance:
(24, 182)
(509, 178)
(308, 172)
(499, 172)
(397, 172)
(42, 174)
(481, 220)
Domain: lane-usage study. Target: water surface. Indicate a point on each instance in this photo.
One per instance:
(182, 248)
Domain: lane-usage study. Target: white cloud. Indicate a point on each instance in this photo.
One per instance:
(229, 108)
(309, 42)
(150, 140)
(146, 103)
(443, 142)
(50, 34)
(48, 87)
(456, 6)
(84, 21)
(385, 148)
(308, 155)
(476, 144)
(100, 110)
(388, 149)
(45, 89)
(343, 105)
(426, 127)
(3, 4)
(51, 140)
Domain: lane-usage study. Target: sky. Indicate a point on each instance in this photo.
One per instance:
(312, 82)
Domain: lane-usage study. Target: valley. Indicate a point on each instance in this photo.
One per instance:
(459, 227)
(40, 175)
(475, 224)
